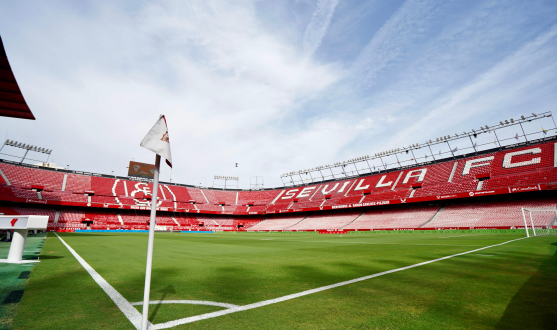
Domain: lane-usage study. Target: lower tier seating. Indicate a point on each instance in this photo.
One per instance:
(279, 222)
(395, 217)
(488, 212)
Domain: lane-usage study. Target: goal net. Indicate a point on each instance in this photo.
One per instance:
(540, 222)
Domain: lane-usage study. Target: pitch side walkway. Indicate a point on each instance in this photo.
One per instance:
(14, 277)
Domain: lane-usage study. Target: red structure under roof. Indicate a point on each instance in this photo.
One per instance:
(12, 103)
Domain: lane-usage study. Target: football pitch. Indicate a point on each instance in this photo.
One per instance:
(360, 280)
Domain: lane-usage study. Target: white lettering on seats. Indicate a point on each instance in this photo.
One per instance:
(290, 193)
(145, 189)
(420, 176)
(305, 192)
(508, 159)
(473, 163)
(114, 192)
(359, 186)
(554, 156)
(344, 186)
(324, 190)
(381, 184)
(274, 200)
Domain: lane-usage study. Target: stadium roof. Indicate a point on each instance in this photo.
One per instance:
(12, 103)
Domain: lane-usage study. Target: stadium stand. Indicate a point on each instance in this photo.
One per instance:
(394, 218)
(500, 212)
(279, 222)
(365, 202)
(327, 220)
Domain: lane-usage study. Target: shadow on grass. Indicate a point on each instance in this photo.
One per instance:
(165, 292)
(534, 306)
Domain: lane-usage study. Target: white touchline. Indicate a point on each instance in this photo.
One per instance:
(191, 319)
(129, 311)
(189, 302)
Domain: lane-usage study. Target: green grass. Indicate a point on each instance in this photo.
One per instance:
(13, 277)
(513, 286)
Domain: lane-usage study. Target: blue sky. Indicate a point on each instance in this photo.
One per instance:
(275, 86)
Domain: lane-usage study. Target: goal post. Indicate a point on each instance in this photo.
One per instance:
(540, 222)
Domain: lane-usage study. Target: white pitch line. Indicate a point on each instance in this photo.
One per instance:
(190, 302)
(374, 243)
(191, 319)
(129, 311)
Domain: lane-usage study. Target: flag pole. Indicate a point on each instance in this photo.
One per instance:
(150, 245)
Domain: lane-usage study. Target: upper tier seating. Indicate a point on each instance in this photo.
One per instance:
(76, 182)
(528, 168)
(219, 196)
(25, 177)
(257, 197)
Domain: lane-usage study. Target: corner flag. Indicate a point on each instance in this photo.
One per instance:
(157, 141)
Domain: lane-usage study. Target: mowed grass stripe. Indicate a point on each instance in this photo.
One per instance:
(239, 270)
(243, 269)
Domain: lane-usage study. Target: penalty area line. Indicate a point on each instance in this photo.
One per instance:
(206, 316)
(129, 311)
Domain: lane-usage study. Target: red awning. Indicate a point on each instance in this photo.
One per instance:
(12, 103)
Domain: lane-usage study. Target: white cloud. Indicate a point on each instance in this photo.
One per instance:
(236, 92)
(497, 90)
(222, 80)
(408, 25)
(317, 27)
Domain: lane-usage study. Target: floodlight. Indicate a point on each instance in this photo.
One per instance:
(501, 123)
(533, 114)
(506, 122)
(522, 117)
(512, 120)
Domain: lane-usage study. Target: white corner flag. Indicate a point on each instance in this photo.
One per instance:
(157, 141)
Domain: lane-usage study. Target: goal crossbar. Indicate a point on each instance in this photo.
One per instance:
(530, 211)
